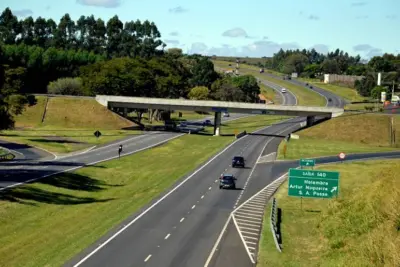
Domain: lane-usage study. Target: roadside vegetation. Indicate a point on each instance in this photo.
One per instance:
(360, 228)
(304, 96)
(95, 198)
(349, 133)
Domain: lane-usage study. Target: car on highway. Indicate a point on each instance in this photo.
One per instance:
(227, 181)
(283, 90)
(226, 114)
(238, 161)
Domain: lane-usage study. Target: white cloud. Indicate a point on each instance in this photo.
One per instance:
(100, 3)
(235, 32)
(22, 12)
(172, 42)
(174, 33)
(178, 10)
(255, 49)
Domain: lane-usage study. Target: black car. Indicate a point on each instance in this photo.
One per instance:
(227, 181)
(238, 162)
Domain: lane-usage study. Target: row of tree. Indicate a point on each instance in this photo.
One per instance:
(112, 38)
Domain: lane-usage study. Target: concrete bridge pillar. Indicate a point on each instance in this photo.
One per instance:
(125, 112)
(310, 121)
(217, 123)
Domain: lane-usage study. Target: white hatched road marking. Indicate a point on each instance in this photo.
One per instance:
(248, 217)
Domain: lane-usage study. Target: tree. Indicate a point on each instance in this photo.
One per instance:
(66, 86)
(248, 84)
(330, 66)
(203, 73)
(295, 63)
(199, 93)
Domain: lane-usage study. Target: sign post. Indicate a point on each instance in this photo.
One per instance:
(313, 183)
(342, 156)
(307, 163)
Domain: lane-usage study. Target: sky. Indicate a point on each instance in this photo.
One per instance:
(253, 28)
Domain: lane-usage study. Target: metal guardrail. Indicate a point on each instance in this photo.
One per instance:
(241, 134)
(274, 224)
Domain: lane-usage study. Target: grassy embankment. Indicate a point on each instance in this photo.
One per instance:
(70, 123)
(75, 209)
(360, 228)
(304, 96)
(349, 133)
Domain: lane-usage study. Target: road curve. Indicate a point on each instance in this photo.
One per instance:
(32, 164)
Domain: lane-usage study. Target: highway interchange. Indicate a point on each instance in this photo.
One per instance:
(182, 226)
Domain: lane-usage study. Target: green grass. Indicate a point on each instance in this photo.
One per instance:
(348, 133)
(360, 228)
(75, 209)
(344, 92)
(304, 96)
(364, 106)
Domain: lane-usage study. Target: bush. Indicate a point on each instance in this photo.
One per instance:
(66, 86)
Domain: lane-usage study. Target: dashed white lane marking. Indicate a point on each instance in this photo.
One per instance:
(166, 237)
(202, 196)
(182, 219)
(209, 188)
(148, 258)
(194, 206)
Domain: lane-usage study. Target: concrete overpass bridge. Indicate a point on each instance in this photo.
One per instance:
(217, 107)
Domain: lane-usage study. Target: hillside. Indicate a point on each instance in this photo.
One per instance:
(349, 133)
(360, 228)
(69, 124)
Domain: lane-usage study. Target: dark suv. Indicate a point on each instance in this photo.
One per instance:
(238, 162)
(227, 181)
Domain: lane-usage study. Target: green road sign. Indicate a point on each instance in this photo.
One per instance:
(307, 162)
(313, 184)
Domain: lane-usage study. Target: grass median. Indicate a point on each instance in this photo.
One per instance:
(349, 133)
(305, 97)
(347, 93)
(360, 228)
(50, 221)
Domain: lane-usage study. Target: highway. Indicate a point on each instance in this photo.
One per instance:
(32, 163)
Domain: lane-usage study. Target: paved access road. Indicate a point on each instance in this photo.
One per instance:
(33, 163)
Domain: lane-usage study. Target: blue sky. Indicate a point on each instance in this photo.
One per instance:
(246, 28)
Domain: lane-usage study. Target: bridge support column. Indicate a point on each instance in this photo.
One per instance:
(125, 112)
(217, 123)
(310, 121)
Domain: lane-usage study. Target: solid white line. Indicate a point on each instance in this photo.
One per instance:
(253, 209)
(166, 237)
(244, 242)
(255, 206)
(89, 164)
(148, 257)
(217, 242)
(182, 220)
(247, 221)
(76, 153)
(250, 237)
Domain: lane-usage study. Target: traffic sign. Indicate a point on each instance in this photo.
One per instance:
(307, 162)
(342, 155)
(313, 183)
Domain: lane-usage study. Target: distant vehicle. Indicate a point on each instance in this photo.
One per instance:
(330, 99)
(207, 123)
(283, 90)
(238, 161)
(227, 181)
(183, 124)
(261, 70)
(226, 114)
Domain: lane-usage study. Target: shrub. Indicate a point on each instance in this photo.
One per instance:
(66, 86)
